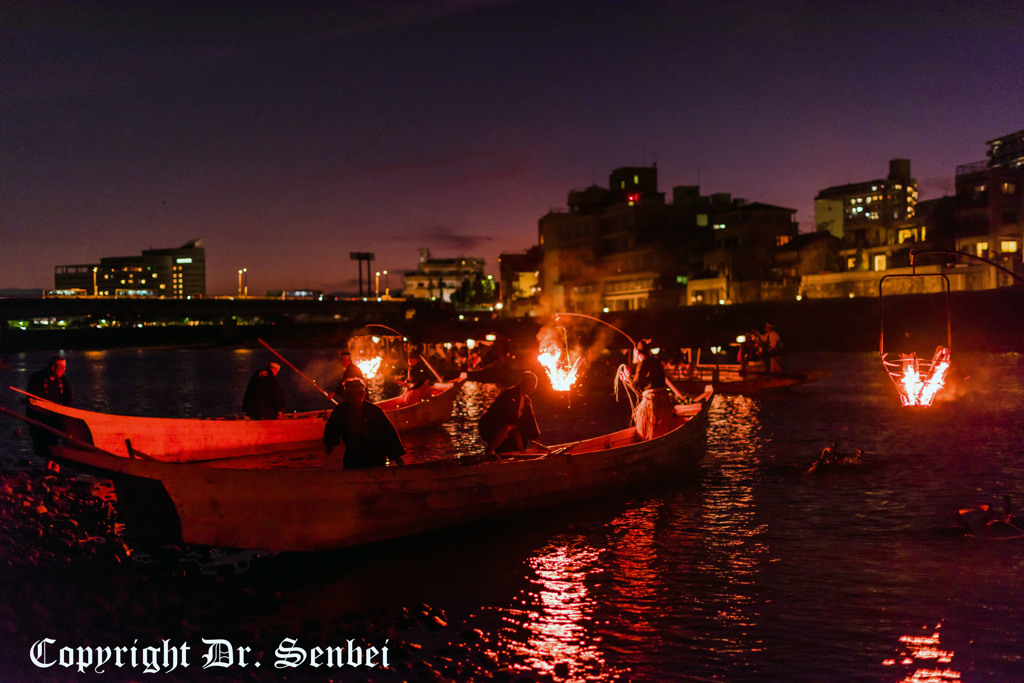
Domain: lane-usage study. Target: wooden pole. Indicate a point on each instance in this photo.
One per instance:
(301, 373)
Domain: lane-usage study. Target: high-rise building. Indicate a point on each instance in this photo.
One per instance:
(871, 212)
(164, 273)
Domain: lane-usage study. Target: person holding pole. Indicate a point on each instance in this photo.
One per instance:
(419, 380)
(264, 399)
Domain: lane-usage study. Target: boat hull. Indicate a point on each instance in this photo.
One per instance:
(324, 509)
(196, 439)
(735, 383)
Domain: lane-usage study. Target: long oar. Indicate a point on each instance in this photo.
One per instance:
(74, 441)
(301, 373)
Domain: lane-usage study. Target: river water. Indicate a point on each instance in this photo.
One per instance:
(751, 570)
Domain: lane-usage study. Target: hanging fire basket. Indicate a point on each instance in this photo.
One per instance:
(917, 380)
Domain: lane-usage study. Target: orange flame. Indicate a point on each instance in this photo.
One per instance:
(562, 376)
(917, 388)
(369, 367)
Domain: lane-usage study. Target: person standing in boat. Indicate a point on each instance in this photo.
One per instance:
(419, 380)
(509, 423)
(52, 384)
(370, 438)
(654, 411)
(772, 347)
(349, 371)
(264, 399)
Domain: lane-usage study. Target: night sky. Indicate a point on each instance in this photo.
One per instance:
(289, 134)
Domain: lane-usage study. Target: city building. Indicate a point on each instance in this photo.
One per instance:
(163, 273)
(625, 248)
(519, 282)
(990, 207)
(868, 210)
(460, 280)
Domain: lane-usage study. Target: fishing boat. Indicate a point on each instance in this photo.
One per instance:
(738, 381)
(195, 439)
(296, 508)
(732, 372)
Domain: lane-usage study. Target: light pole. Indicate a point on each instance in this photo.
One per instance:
(387, 289)
(376, 285)
(243, 292)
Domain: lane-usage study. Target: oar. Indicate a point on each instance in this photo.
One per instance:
(301, 373)
(74, 441)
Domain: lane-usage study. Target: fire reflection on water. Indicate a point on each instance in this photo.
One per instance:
(737, 549)
(550, 631)
(923, 661)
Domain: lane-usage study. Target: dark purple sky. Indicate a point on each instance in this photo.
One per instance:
(289, 134)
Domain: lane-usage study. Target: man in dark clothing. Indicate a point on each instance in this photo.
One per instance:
(51, 384)
(349, 371)
(418, 380)
(370, 438)
(264, 399)
(509, 423)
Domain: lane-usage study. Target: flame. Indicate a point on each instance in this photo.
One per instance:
(562, 376)
(917, 388)
(369, 367)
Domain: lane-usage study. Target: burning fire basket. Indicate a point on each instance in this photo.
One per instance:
(917, 380)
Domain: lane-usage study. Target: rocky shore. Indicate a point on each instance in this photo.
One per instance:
(70, 576)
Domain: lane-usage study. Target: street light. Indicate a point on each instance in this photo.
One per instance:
(376, 286)
(245, 272)
(387, 289)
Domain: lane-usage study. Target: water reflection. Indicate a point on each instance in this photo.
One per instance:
(550, 631)
(922, 660)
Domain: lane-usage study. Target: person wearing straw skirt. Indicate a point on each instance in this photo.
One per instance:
(654, 411)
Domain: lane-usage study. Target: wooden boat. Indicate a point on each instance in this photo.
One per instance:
(732, 380)
(302, 509)
(194, 439)
(732, 371)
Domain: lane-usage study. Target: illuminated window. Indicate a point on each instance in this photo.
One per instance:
(636, 180)
(781, 240)
(1008, 246)
(851, 263)
(982, 248)
(1009, 188)
(880, 262)
(702, 220)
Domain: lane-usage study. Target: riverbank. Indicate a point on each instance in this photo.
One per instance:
(61, 553)
(975, 321)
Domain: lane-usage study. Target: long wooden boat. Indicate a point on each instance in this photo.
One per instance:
(303, 509)
(195, 439)
(734, 381)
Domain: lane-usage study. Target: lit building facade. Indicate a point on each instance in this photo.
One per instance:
(990, 206)
(439, 279)
(162, 273)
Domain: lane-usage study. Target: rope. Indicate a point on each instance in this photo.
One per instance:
(631, 393)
